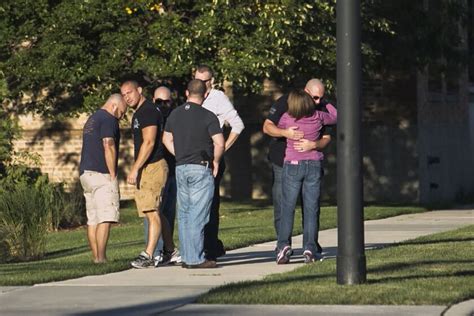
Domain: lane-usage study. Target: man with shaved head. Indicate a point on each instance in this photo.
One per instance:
(315, 89)
(149, 172)
(194, 136)
(163, 256)
(98, 173)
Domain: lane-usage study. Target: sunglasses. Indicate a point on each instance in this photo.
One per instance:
(316, 98)
(162, 101)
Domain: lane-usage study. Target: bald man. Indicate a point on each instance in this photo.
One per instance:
(315, 89)
(98, 173)
(163, 256)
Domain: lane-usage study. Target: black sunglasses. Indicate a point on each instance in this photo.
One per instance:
(162, 101)
(316, 98)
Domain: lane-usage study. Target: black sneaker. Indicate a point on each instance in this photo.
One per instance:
(168, 257)
(143, 261)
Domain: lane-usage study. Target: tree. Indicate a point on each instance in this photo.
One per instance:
(62, 56)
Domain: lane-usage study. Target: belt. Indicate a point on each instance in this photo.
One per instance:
(204, 163)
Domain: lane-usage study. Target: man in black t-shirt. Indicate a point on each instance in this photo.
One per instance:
(194, 136)
(149, 171)
(98, 173)
(315, 88)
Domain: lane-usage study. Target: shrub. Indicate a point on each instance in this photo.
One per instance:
(24, 217)
(30, 206)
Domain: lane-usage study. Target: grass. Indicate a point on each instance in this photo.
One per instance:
(241, 224)
(431, 270)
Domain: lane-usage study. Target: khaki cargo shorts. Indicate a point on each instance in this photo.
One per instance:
(150, 190)
(102, 197)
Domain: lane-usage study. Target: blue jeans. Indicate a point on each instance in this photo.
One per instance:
(306, 177)
(168, 209)
(195, 185)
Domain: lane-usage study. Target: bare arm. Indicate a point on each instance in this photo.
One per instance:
(168, 142)
(218, 140)
(271, 129)
(110, 153)
(306, 145)
(231, 140)
(149, 138)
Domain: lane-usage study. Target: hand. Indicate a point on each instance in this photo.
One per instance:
(292, 133)
(304, 145)
(215, 168)
(132, 177)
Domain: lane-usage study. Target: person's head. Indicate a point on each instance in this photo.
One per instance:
(196, 91)
(315, 88)
(300, 104)
(131, 92)
(205, 74)
(116, 105)
(162, 96)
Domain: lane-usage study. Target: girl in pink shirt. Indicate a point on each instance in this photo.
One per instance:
(302, 170)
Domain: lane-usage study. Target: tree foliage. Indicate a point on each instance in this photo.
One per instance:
(61, 56)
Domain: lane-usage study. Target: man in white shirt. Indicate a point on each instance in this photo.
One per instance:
(219, 104)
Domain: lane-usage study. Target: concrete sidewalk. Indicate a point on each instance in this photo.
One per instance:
(167, 289)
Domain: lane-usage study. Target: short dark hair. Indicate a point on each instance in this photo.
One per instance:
(205, 68)
(300, 104)
(134, 83)
(197, 88)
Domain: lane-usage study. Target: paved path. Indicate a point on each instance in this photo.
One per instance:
(167, 289)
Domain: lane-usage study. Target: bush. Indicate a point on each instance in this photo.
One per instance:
(24, 217)
(30, 206)
(68, 209)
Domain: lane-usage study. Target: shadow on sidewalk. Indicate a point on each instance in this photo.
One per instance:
(141, 309)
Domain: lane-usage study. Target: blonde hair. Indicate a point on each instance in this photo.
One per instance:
(300, 104)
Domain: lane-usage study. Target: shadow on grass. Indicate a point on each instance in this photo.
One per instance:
(460, 273)
(402, 266)
(85, 249)
(433, 242)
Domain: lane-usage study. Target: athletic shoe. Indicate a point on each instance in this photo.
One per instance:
(143, 261)
(169, 257)
(308, 256)
(158, 259)
(284, 255)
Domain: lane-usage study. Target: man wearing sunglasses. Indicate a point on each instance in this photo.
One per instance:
(162, 256)
(315, 88)
(219, 104)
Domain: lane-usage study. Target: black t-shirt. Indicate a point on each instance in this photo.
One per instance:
(276, 153)
(170, 159)
(192, 127)
(100, 125)
(148, 115)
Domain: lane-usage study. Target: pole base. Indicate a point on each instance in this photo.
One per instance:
(351, 270)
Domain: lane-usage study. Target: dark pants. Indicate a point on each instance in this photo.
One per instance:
(212, 245)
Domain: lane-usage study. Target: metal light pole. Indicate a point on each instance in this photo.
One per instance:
(351, 266)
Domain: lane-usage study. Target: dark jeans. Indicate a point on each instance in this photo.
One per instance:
(212, 245)
(305, 176)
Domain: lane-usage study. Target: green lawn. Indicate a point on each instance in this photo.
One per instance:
(242, 224)
(431, 270)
